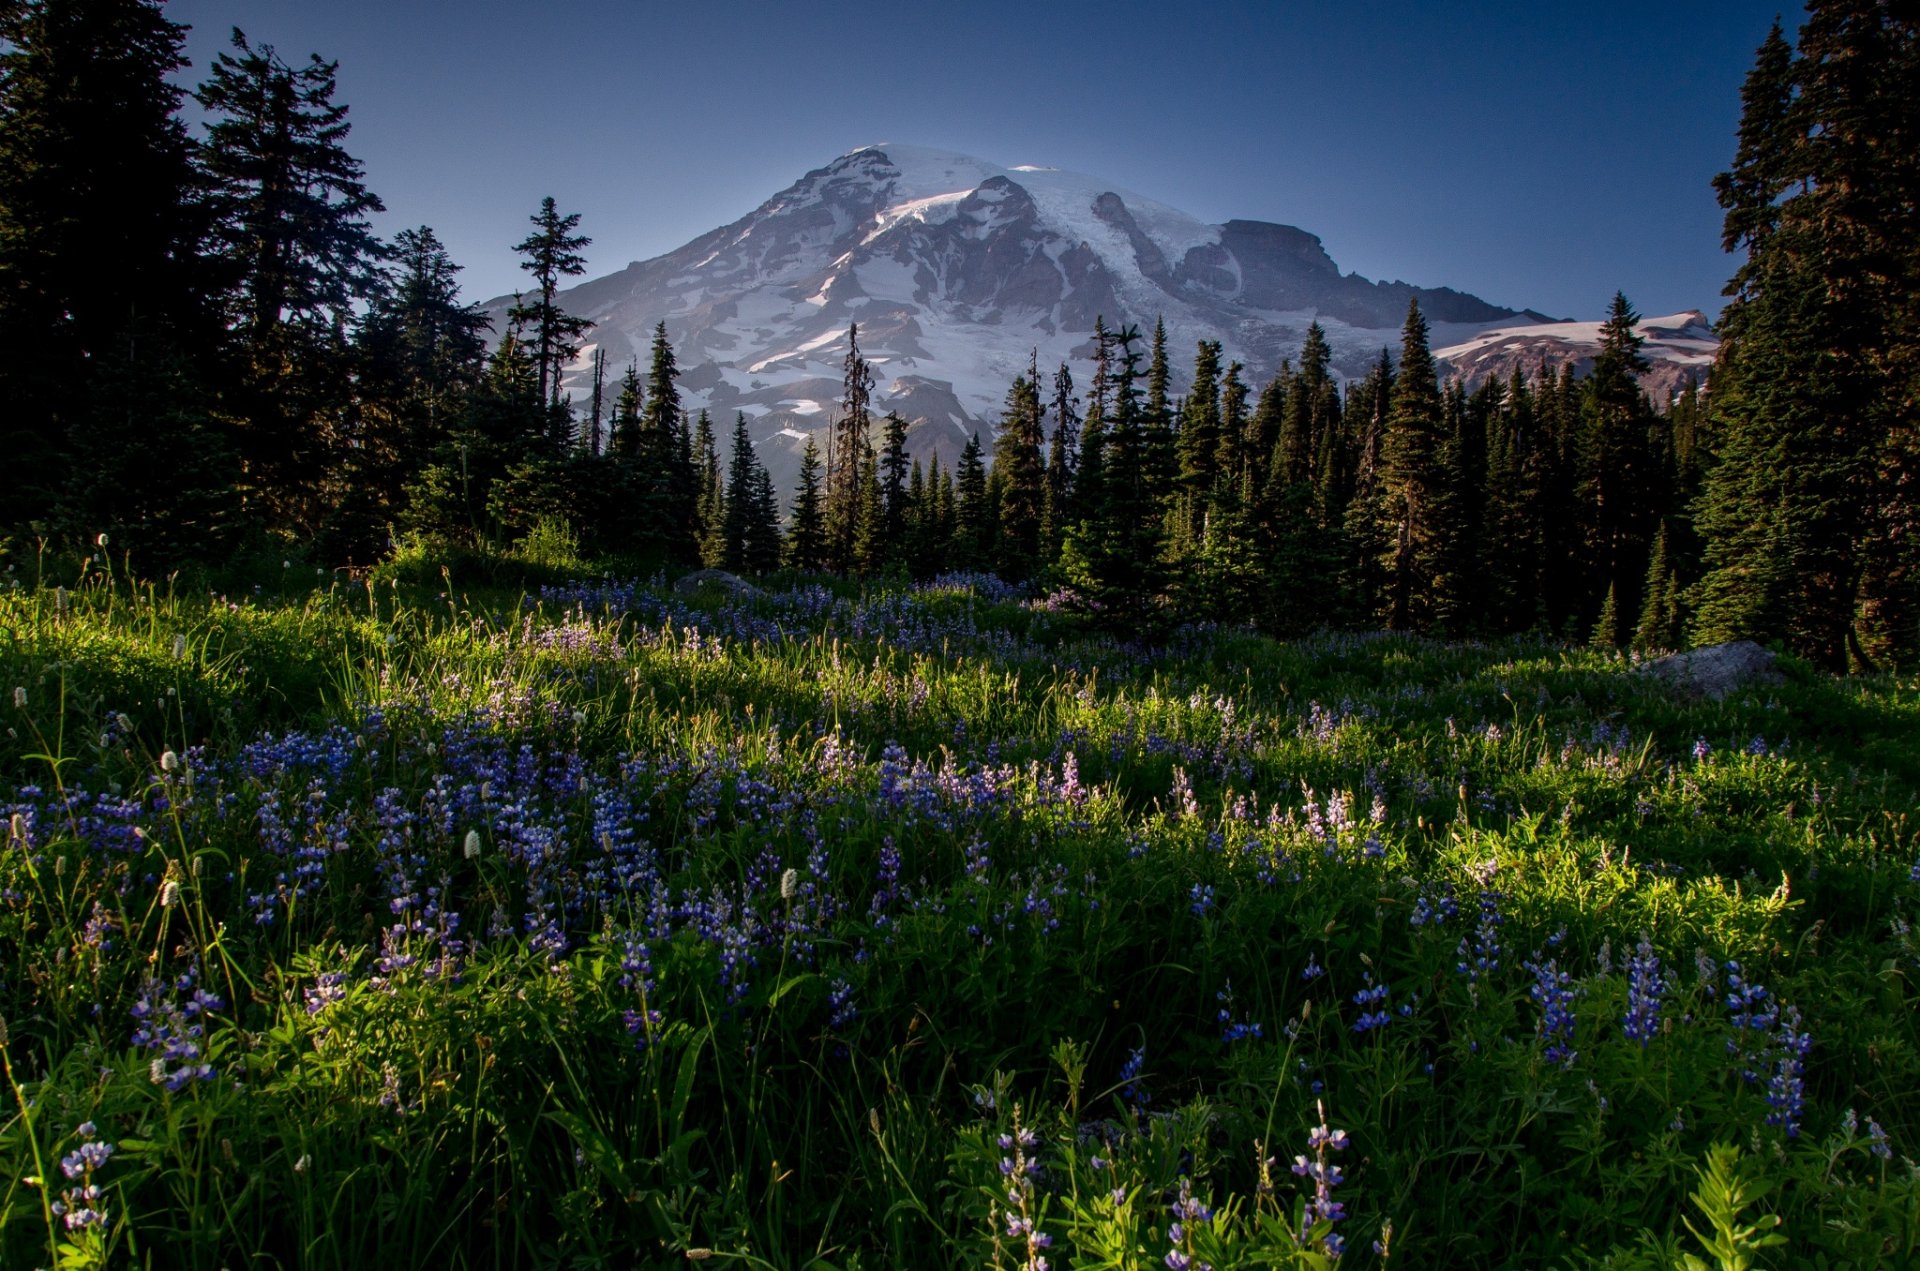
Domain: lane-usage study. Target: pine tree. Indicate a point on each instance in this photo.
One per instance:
(763, 525)
(1622, 487)
(1659, 624)
(722, 532)
(1413, 484)
(1021, 480)
(735, 533)
(1063, 453)
(1808, 516)
(1606, 628)
(1198, 445)
(893, 486)
(847, 447)
(807, 540)
(105, 335)
(970, 518)
(292, 241)
(666, 457)
(552, 252)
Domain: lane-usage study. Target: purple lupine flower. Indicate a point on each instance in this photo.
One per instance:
(1326, 1177)
(1646, 985)
(1133, 1088)
(1553, 992)
(1786, 1089)
(1187, 1209)
(1372, 1001)
(1232, 1030)
(79, 1207)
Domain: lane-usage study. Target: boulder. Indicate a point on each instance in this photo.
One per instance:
(716, 580)
(1716, 671)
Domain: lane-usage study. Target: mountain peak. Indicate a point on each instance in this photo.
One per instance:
(959, 270)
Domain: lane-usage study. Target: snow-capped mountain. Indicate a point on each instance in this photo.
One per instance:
(1677, 348)
(959, 272)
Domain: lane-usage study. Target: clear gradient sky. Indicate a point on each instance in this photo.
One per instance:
(1538, 155)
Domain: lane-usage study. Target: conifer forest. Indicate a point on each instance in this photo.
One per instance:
(1211, 823)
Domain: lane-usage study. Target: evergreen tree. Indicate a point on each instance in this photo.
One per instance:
(292, 242)
(551, 253)
(1659, 625)
(1198, 445)
(1808, 516)
(666, 454)
(1622, 486)
(736, 527)
(893, 486)
(763, 526)
(1063, 453)
(722, 515)
(847, 447)
(1413, 483)
(1021, 480)
(105, 335)
(807, 541)
(970, 517)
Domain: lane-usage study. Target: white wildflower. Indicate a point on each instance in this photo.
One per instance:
(473, 844)
(169, 762)
(169, 894)
(789, 884)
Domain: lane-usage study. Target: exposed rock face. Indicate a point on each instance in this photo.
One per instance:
(1715, 672)
(716, 580)
(958, 272)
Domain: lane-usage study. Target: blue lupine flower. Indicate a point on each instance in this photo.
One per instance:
(1646, 985)
(1372, 1002)
(1553, 992)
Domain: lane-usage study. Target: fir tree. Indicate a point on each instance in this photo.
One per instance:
(105, 335)
(722, 533)
(1063, 452)
(893, 485)
(551, 253)
(1413, 484)
(847, 447)
(807, 540)
(293, 244)
(970, 516)
(736, 528)
(1199, 444)
(1021, 480)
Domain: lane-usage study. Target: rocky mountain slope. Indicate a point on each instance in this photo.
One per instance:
(959, 271)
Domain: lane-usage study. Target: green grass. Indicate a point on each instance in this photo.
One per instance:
(781, 913)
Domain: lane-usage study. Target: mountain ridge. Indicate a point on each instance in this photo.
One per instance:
(959, 271)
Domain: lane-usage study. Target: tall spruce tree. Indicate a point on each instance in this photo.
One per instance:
(1021, 479)
(1809, 513)
(105, 334)
(293, 244)
(1413, 484)
(551, 253)
(807, 540)
(847, 447)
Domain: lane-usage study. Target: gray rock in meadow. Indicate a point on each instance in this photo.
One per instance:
(717, 579)
(1716, 671)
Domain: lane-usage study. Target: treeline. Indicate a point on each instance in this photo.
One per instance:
(203, 344)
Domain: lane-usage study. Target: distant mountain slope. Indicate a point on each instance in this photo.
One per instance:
(959, 272)
(1678, 347)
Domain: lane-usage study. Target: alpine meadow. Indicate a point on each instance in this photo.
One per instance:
(964, 718)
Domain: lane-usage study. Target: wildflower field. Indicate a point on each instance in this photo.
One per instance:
(413, 922)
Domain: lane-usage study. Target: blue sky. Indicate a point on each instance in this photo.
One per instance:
(1535, 155)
